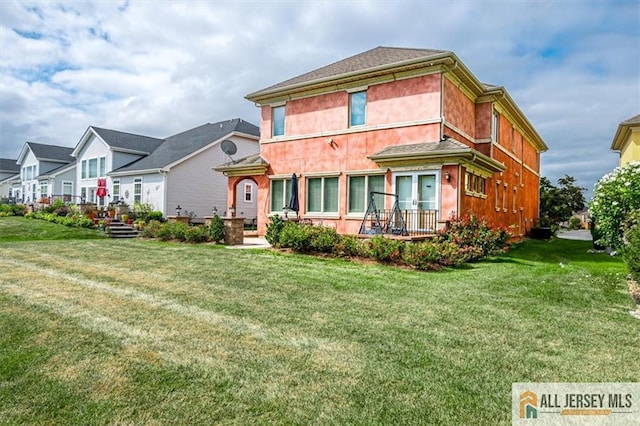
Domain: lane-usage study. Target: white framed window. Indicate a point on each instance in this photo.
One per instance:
(116, 190)
(103, 166)
(359, 189)
(357, 108)
(280, 194)
(495, 127)
(83, 194)
(322, 195)
(67, 190)
(137, 190)
(44, 189)
(277, 120)
(33, 193)
(83, 169)
(93, 168)
(248, 192)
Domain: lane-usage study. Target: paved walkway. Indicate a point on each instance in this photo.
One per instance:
(580, 234)
(252, 242)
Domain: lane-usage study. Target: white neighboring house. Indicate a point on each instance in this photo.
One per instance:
(45, 171)
(9, 180)
(166, 173)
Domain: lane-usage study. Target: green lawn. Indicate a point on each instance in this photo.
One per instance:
(143, 332)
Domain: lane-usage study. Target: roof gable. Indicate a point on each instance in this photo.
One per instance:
(50, 153)
(181, 146)
(623, 131)
(128, 141)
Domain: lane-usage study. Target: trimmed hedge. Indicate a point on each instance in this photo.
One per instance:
(467, 240)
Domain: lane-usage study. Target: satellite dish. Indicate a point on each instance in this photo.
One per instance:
(229, 147)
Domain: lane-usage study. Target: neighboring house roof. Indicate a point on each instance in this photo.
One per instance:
(8, 165)
(398, 155)
(121, 141)
(247, 166)
(50, 153)
(181, 146)
(57, 171)
(622, 134)
(14, 178)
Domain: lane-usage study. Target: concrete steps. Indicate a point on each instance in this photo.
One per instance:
(118, 229)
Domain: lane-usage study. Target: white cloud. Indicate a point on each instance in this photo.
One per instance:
(159, 68)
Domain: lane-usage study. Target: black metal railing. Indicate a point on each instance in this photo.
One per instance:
(416, 222)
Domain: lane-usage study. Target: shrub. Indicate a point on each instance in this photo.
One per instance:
(347, 246)
(294, 236)
(151, 229)
(631, 249)
(475, 237)
(424, 256)
(274, 228)
(386, 249)
(217, 229)
(13, 210)
(155, 215)
(615, 196)
(196, 234)
(165, 231)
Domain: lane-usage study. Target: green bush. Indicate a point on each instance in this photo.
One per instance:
(155, 215)
(165, 231)
(73, 220)
(151, 229)
(274, 228)
(196, 234)
(12, 210)
(575, 223)
(631, 248)
(385, 249)
(424, 256)
(217, 229)
(475, 237)
(347, 246)
(615, 196)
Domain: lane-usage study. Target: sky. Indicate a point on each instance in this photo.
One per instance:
(161, 67)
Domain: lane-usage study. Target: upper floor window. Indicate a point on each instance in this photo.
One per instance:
(277, 121)
(83, 174)
(93, 168)
(103, 166)
(495, 128)
(357, 108)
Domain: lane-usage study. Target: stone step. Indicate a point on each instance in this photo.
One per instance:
(117, 229)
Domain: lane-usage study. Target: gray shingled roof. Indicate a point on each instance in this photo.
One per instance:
(128, 141)
(632, 120)
(51, 152)
(9, 165)
(57, 169)
(446, 146)
(380, 56)
(181, 145)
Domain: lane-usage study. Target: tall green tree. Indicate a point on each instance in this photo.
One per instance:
(558, 203)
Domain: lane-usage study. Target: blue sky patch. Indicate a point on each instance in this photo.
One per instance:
(34, 35)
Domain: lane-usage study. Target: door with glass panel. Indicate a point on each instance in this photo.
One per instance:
(418, 199)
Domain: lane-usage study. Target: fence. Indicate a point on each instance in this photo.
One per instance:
(416, 222)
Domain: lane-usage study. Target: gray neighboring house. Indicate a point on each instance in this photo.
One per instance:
(170, 172)
(45, 171)
(9, 179)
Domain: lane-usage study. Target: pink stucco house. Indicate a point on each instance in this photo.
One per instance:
(412, 122)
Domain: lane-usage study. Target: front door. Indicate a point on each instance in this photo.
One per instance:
(418, 199)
